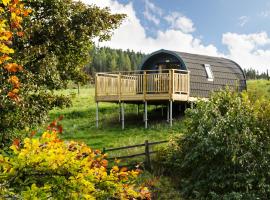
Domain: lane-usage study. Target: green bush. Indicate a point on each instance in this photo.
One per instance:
(224, 152)
(49, 168)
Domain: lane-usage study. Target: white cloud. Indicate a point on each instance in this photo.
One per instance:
(152, 12)
(248, 49)
(243, 20)
(178, 21)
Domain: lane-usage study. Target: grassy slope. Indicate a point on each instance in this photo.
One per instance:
(79, 123)
(79, 120)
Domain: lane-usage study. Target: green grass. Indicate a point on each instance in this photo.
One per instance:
(79, 123)
(79, 120)
(257, 88)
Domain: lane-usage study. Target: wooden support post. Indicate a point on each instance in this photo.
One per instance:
(145, 114)
(119, 115)
(123, 116)
(97, 114)
(147, 156)
(170, 113)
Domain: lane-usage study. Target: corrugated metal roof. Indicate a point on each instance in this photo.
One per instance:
(226, 72)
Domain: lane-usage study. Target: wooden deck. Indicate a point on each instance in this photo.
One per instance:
(134, 86)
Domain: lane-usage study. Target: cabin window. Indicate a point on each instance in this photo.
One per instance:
(209, 72)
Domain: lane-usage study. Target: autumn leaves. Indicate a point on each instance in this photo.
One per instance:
(11, 18)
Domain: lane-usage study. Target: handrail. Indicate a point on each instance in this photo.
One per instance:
(141, 71)
(143, 85)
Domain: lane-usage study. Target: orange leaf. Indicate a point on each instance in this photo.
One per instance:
(14, 80)
(123, 169)
(16, 142)
(60, 129)
(20, 34)
(13, 67)
(104, 163)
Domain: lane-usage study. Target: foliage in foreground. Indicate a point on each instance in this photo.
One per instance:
(48, 168)
(225, 150)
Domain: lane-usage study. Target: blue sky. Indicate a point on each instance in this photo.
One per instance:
(236, 29)
(212, 18)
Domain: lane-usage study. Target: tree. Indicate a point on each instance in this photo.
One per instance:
(11, 72)
(57, 39)
(61, 34)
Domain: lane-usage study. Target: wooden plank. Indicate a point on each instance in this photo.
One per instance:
(129, 156)
(126, 147)
(159, 142)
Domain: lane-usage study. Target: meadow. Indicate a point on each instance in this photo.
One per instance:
(79, 121)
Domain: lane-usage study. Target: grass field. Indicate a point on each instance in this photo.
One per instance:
(79, 122)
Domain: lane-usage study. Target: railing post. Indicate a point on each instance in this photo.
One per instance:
(147, 156)
(119, 87)
(144, 85)
(172, 84)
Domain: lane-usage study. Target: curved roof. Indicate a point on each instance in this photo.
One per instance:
(225, 71)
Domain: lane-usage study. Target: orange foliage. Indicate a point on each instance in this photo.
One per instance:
(10, 25)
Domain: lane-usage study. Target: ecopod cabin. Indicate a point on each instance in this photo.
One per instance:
(166, 77)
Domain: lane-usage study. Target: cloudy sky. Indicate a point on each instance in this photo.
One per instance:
(239, 30)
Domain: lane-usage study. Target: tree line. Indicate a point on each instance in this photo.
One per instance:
(255, 74)
(105, 59)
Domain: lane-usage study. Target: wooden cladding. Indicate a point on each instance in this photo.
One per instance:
(142, 85)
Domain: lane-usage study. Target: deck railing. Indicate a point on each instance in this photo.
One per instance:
(142, 85)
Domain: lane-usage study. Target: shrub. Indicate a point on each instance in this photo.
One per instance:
(49, 168)
(224, 152)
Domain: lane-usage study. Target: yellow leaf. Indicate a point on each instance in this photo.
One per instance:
(6, 2)
(5, 49)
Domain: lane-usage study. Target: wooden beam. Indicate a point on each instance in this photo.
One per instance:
(172, 84)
